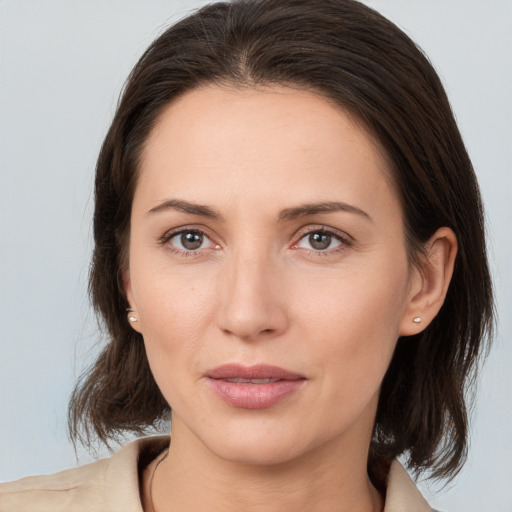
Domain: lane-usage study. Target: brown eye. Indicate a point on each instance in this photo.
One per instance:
(320, 241)
(189, 241)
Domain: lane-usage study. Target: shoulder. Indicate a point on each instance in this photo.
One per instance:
(61, 491)
(402, 495)
(108, 485)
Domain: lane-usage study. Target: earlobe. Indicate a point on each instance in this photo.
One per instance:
(430, 282)
(132, 315)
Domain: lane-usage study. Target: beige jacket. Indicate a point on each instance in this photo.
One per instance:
(112, 485)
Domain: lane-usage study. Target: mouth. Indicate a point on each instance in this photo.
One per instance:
(253, 387)
(241, 380)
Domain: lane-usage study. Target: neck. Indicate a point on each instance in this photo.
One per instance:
(327, 478)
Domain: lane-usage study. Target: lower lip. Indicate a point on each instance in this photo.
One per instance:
(254, 396)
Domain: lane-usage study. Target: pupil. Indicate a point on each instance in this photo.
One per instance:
(191, 241)
(320, 241)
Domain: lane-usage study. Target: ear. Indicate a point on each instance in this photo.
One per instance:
(429, 282)
(132, 315)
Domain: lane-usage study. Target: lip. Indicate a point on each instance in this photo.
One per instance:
(271, 384)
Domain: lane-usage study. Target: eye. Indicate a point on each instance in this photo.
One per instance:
(322, 240)
(189, 240)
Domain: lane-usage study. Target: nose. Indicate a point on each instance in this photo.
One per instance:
(252, 301)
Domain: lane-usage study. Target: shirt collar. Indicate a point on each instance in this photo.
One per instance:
(402, 495)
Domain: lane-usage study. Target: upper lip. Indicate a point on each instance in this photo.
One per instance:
(259, 371)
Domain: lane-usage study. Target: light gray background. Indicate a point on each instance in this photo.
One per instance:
(62, 66)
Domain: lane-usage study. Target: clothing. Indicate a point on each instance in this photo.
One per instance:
(113, 485)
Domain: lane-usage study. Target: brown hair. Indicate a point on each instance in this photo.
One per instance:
(351, 54)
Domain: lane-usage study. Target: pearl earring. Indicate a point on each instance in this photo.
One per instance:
(131, 318)
(416, 320)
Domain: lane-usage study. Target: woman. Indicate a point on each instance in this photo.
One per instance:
(289, 252)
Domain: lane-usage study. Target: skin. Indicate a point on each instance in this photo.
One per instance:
(257, 290)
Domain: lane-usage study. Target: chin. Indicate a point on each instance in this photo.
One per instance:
(263, 444)
(258, 454)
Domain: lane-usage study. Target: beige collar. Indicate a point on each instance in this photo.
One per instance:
(402, 495)
(114, 485)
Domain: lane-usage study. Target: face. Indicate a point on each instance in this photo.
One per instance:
(268, 272)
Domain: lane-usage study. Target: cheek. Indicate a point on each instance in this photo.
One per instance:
(171, 299)
(175, 308)
(356, 327)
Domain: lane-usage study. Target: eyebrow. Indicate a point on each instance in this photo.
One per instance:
(200, 210)
(287, 214)
(315, 208)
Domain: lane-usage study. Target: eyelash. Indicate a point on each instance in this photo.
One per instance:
(344, 240)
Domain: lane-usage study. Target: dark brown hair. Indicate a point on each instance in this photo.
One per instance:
(352, 55)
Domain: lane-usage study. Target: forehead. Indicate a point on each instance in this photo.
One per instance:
(259, 142)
